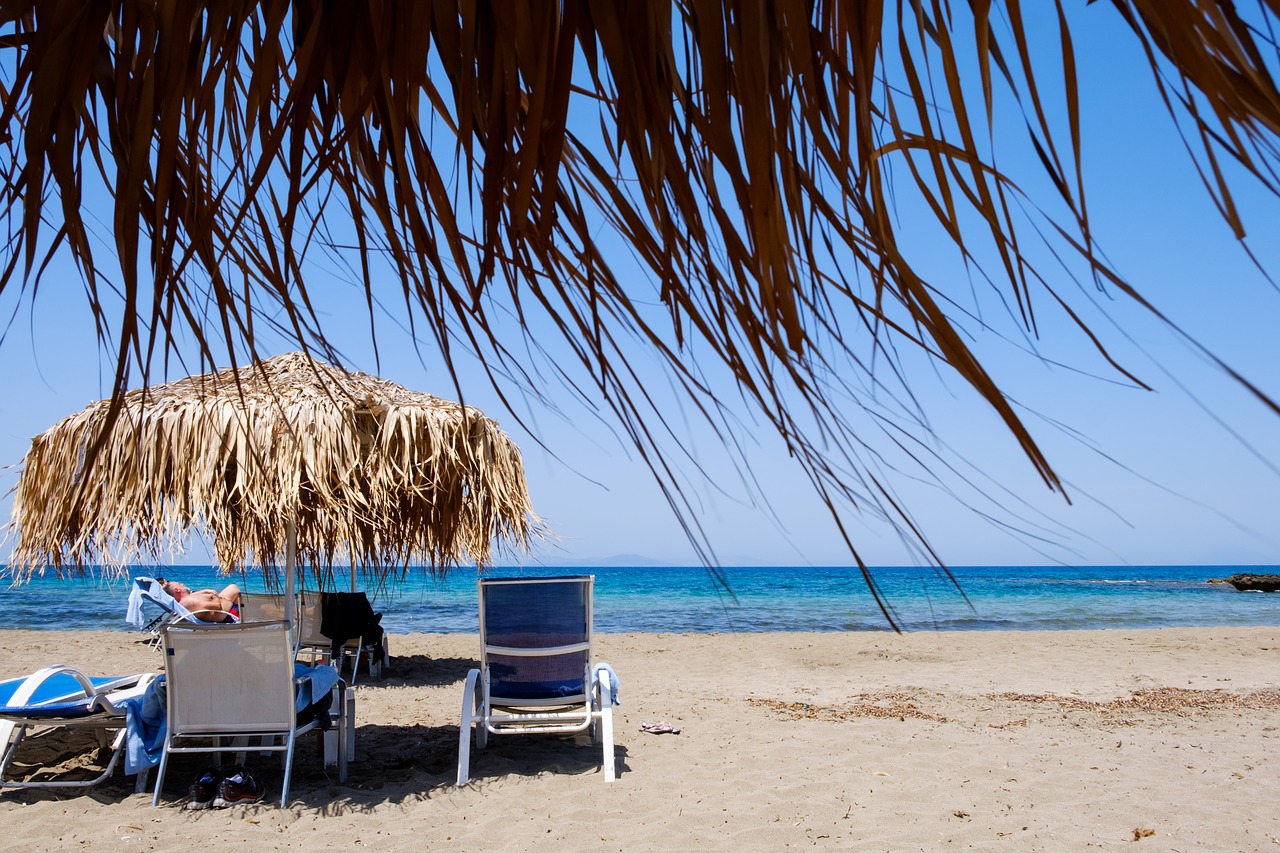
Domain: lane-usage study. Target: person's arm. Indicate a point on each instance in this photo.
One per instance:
(230, 594)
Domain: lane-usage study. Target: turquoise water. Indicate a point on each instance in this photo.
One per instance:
(683, 599)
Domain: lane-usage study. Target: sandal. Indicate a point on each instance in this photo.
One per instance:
(663, 728)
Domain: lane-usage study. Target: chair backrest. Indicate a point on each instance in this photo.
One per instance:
(262, 607)
(337, 617)
(229, 678)
(309, 623)
(535, 636)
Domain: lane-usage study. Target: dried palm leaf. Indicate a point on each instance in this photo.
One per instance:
(374, 475)
(744, 153)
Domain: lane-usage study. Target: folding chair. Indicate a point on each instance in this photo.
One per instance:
(237, 681)
(338, 625)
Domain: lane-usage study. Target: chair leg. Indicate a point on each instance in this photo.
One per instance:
(288, 769)
(344, 732)
(471, 702)
(164, 762)
(606, 728)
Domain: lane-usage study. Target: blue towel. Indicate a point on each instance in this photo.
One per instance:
(319, 680)
(145, 728)
(613, 680)
(134, 614)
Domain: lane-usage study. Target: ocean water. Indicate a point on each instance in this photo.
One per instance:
(781, 598)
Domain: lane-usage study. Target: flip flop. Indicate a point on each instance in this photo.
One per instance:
(663, 728)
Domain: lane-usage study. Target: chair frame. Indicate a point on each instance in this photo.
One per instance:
(184, 735)
(591, 708)
(95, 709)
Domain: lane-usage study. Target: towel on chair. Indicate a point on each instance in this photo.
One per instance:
(145, 727)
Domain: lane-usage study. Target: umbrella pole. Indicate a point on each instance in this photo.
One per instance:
(290, 568)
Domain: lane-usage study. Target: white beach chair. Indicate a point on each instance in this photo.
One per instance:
(236, 681)
(269, 607)
(262, 607)
(535, 673)
(64, 697)
(350, 614)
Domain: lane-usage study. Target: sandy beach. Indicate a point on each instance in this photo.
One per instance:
(1156, 740)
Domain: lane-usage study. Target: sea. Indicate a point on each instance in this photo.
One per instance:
(758, 599)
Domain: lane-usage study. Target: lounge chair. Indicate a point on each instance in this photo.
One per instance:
(148, 591)
(64, 697)
(238, 682)
(535, 673)
(336, 626)
(262, 607)
(267, 607)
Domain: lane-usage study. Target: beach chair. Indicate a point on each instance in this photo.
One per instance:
(337, 626)
(64, 697)
(262, 607)
(535, 673)
(268, 607)
(237, 683)
(147, 591)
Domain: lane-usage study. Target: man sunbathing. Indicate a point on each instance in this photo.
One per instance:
(205, 604)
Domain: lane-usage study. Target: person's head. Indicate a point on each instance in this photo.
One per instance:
(177, 589)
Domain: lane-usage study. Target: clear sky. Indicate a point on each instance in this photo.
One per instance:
(1187, 473)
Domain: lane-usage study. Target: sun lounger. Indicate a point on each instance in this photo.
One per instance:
(64, 697)
(148, 592)
(535, 673)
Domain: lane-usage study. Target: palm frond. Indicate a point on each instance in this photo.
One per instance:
(745, 153)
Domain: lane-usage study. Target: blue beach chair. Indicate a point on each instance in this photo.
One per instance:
(148, 591)
(535, 673)
(64, 697)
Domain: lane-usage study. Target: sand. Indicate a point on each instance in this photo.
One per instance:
(1146, 740)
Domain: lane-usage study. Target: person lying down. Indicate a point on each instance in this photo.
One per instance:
(205, 604)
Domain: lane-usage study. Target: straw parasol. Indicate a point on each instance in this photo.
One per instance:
(283, 453)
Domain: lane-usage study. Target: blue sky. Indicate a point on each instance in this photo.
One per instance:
(1186, 473)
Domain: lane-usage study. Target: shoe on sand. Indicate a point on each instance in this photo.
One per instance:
(204, 790)
(240, 786)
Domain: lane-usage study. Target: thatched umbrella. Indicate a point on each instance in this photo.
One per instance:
(283, 451)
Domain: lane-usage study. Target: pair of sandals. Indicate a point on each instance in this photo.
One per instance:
(660, 728)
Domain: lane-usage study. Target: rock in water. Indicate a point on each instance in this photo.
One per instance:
(1255, 583)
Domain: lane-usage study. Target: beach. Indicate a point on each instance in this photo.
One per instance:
(1163, 739)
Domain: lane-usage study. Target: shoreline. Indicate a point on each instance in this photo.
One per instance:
(1048, 740)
